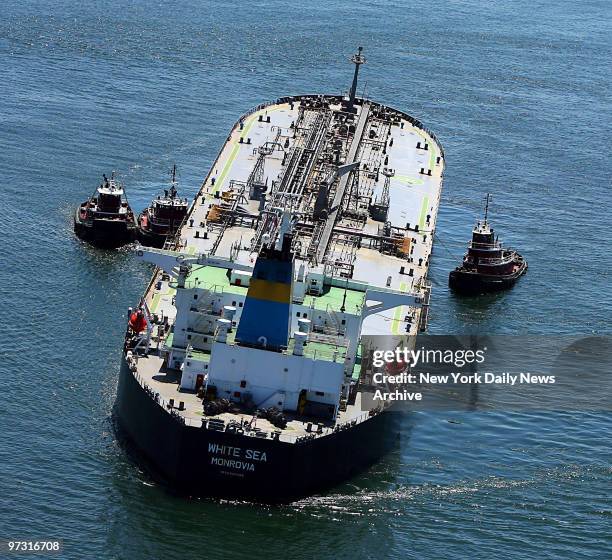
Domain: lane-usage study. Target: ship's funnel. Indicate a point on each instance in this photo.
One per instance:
(266, 316)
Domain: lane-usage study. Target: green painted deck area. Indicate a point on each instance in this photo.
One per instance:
(199, 355)
(357, 366)
(334, 298)
(215, 278)
(320, 351)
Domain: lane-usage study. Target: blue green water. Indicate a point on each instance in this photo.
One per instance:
(519, 95)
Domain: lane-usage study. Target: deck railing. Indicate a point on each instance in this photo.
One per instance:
(217, 423)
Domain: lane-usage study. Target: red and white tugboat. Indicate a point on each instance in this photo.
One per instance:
(487, 266)
(106, 219)
(163, 217)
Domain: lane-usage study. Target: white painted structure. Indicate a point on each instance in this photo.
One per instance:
(273, 377)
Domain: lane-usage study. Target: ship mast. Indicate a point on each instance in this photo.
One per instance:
(173, 188)
(357, 59)
(488, 199)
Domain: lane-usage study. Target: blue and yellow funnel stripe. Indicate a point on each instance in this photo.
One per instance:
(266, 314)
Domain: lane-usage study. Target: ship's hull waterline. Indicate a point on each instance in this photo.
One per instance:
(106, 234)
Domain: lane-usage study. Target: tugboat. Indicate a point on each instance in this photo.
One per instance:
(163, 217)
(106, 219)
(487, 266)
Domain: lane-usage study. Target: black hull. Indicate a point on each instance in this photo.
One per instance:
(151, 239)
(202, 462)
(106, 234)
(470, 282)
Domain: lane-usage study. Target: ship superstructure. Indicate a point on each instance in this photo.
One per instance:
(313, 228)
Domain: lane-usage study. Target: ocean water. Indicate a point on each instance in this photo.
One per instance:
(519, 95)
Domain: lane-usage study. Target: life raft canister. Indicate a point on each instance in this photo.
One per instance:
(137, 321)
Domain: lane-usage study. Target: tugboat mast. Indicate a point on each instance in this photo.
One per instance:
(357, 59)
(487, 198)
(173, 188)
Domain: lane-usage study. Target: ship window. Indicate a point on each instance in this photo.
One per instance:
(305, 315)
(343, 321)
(298, 314)
(240, 304)
(319, 393)
(188, 363)
(233, 304)
(243, 383)
(195, 296)
(188, 337)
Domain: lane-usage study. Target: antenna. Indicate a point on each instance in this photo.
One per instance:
(488, 199)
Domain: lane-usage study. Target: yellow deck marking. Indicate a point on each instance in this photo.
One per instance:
(397, 316)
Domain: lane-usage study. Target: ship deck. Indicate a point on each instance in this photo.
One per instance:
(153, 374)
(413, 198)
(288, 148)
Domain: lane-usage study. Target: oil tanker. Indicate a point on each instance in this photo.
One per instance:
(246, 370)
